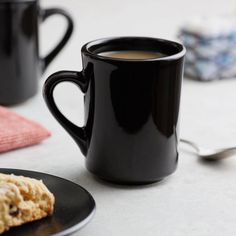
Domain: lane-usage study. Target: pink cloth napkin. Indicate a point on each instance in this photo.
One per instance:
(17, 131)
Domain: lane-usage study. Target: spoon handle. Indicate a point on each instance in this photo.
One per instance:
(192, 144)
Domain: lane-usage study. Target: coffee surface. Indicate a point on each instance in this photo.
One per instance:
(132, 54)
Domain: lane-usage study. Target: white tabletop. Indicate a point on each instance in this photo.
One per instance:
(199, 198)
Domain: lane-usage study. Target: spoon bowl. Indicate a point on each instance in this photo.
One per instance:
(211, 154)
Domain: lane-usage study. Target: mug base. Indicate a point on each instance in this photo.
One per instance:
(121, 180)
(125, 182)
(131, 182)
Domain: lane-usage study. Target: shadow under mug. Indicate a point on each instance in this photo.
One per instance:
(131, 109)
(20, 63)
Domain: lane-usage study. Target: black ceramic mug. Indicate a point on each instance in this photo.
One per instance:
(131, 109)
(20, 63)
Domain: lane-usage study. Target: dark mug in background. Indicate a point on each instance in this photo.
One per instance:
(20, 63)
(131, 109)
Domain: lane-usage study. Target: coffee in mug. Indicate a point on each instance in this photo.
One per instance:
(132, 54)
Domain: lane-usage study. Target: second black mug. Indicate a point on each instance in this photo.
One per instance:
(20, 63)
(131, 109)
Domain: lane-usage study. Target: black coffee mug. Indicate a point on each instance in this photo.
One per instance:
(20, 64)
(131, 109)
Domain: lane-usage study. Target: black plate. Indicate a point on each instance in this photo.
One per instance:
(74, 207)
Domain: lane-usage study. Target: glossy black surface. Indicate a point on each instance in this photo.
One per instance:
(74, 207)
(131, 109)
(20, 63)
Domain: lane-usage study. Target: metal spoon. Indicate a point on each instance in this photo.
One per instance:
(211, 154)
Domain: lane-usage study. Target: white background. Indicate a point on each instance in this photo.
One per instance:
(199, 199)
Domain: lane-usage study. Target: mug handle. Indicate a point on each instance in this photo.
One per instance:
(70, 25)
(78, 78)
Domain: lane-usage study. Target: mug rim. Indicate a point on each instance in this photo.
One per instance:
(86, 49)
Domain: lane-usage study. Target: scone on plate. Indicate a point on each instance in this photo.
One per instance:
(23, 200)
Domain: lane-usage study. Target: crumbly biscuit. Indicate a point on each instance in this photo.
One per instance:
(23, 200)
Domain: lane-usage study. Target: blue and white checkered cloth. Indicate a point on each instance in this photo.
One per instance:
(211, 48)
